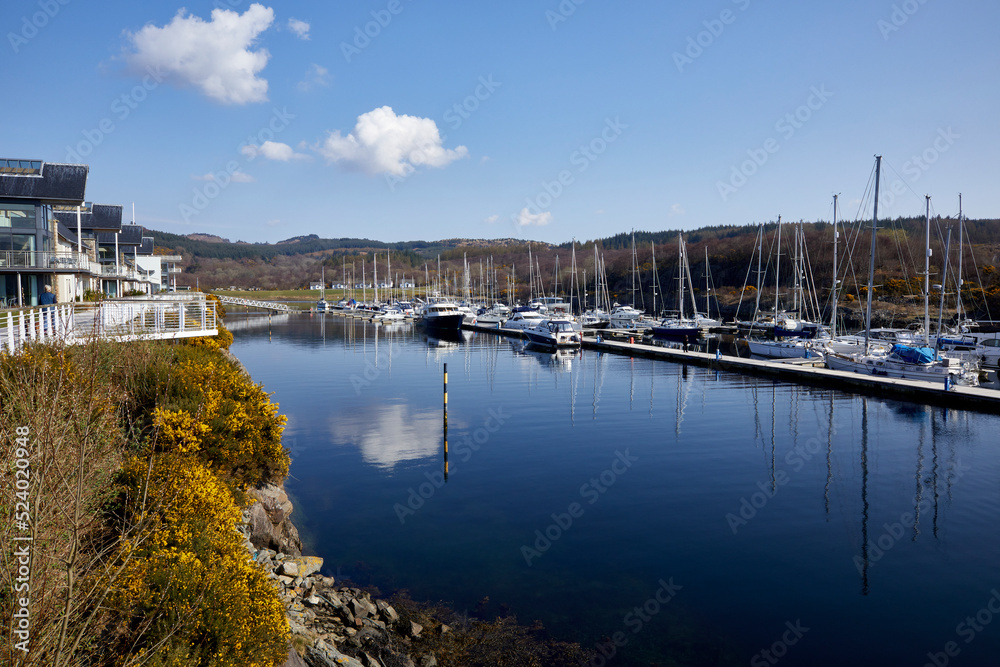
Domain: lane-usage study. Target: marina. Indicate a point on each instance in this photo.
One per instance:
(803, 370)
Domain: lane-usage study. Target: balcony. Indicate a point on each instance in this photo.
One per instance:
(54, 261)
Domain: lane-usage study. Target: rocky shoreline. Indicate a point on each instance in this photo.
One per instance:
(332, 626)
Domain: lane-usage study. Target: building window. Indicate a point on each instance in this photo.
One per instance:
(17, 215)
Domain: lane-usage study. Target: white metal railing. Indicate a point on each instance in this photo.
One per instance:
(44, 260)
(120, 320)
(267, 305)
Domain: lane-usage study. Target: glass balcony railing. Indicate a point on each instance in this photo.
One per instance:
(43, 260)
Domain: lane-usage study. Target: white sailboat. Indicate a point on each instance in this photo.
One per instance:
(900, 361)
(322, 306)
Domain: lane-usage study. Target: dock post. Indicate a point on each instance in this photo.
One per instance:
(445, 422)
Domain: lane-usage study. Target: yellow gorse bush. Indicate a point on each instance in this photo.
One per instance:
(190, 575)
(229, 418)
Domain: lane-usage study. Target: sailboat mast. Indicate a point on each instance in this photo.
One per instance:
(958, 281)
(680, 277)
(760, 252)
(707, 288)
(652, 248)
(944, 286)
(687, 273)
(836, 237)
(777, 274)
(871, 259)
(927, 269)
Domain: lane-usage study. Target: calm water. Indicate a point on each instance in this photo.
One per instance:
(704, 517)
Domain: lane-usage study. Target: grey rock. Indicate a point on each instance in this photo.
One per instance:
(415, 629)
(428, 661)
(386, 611)
(362, 608)
(328, 656)
(293, 660)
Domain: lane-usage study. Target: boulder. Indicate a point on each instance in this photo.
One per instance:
(268, 526)
(386, 611)
(415, 629)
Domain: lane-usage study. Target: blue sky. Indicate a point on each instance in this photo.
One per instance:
(540, 120)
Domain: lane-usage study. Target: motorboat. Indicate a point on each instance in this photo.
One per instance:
(442, 315)
(555, 332)
(625, 317)
(524, 319)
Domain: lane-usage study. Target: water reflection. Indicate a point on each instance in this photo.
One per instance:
(388, 434)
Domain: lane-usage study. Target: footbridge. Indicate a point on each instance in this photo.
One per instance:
(264, 305)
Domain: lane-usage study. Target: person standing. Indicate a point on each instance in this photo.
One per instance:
(47, 299)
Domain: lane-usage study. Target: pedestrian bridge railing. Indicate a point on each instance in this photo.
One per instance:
(266, 305)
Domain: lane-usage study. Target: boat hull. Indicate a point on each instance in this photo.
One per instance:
(443, 322)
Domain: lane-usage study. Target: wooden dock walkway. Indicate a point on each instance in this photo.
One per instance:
(803, 371)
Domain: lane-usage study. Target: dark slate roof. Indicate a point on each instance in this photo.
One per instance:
(101, 217)
(57, 184)
(130, 235)
(147, 246)
(66, 233)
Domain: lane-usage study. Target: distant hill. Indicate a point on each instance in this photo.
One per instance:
(295, 262)
(208, 238)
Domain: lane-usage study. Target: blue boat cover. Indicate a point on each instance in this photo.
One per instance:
(914, 355)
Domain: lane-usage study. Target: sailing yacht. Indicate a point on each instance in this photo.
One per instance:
(322, 306)
(900, 361)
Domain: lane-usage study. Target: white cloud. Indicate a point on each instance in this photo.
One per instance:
(677, 210)
(490, 220)
(213, 56)
(273, 150)
(316, 75)
(384, 143)
(300, 28)
(526, 218)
